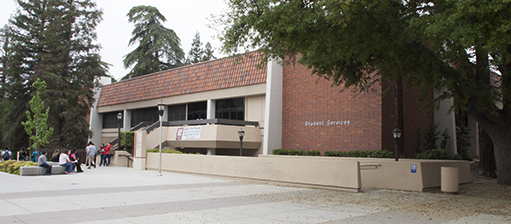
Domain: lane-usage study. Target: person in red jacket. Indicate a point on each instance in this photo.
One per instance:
(106, 154)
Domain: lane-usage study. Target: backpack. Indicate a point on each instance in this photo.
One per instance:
(6, 155)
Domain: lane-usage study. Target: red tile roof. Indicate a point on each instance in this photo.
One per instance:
(211, 75)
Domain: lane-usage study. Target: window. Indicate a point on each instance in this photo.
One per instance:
(110, 120)
(197, 111)
(177, 112)
(233, 109)
(145, 114)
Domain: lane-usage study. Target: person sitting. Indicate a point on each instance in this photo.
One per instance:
(66, 162)
(76, 163)
(42, 163)
(23, 156)
(55, 156)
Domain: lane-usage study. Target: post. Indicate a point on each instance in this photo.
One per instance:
(161, 109)
(397, 134)
(119, 119)
(241, 133)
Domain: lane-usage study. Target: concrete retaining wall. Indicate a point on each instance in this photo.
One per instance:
(320, 171)
(350, 174)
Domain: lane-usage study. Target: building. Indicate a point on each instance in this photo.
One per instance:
(277, 105)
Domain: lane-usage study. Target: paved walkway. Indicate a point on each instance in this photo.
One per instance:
(118, 195)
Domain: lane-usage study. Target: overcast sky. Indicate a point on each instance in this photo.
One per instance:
(185, 17)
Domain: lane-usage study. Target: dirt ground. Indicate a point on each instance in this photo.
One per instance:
(481, 197)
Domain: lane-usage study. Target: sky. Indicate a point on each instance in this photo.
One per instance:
(185, 17)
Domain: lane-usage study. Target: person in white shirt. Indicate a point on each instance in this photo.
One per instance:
(91, 152)
(66, 162)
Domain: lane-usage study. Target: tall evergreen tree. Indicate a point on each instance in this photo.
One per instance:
(208, 52)
(196, 52)
(158, 47)
(53, 40)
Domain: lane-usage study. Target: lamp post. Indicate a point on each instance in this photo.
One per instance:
(161, 109)
(397, 135)
(241, 133)
(119, 119)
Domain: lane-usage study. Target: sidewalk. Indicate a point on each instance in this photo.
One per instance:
(120, 195)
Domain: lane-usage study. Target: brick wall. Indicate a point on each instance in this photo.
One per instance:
(358, 118)
(414, 117)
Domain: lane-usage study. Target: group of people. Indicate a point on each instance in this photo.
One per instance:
(103, 152)
(66, 158)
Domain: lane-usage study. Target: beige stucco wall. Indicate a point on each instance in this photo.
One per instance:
(212, 136)
(321, 172)
(318, 171)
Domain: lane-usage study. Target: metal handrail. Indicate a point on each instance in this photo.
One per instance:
(376, 165)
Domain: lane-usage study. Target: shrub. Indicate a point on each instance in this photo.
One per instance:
(293, 152)
(361, 153)
(13, 166)
(437, 154)
(127, 139)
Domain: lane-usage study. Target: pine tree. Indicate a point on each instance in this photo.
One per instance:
(53, 40)
(158, 47)
(208, 52)
(196, 53)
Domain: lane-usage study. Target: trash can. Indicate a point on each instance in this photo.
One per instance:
(449, 180)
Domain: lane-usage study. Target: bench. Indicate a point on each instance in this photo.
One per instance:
(37, 170)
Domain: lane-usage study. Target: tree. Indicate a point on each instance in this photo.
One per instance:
(158, 47)
(462, 49)
(37, 120)
(197, 53)
(208, 52)
(53, 40)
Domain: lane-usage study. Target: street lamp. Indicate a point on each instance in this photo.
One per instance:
(397, 135)
(161, 109)
(119, 119)
(241, 133)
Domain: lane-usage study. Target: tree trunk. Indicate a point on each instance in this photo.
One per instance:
(502, 144)
(486, 155)
(398, 115)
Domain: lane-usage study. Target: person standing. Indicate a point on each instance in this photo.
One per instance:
(6, 154)
(42, 163)
(91, 151)
(65, 162)
(107, 154)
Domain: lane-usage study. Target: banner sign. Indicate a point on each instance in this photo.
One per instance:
(188, 133)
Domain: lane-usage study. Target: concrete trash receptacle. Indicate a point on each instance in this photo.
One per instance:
(450, 180)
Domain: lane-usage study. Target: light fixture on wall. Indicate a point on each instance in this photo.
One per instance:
(161, 109)
(241, 133)
(397, 136)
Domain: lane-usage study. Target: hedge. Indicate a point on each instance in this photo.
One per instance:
(293, 152)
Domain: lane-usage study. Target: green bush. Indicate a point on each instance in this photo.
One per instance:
(128, 139)
(361, 153)
(437, 154)
(293, 152)
(13, 166)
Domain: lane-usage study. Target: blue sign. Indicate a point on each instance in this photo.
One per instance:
(413, 168)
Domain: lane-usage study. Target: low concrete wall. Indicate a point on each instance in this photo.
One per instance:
(321, 171)
(37, 170)
(342, 173)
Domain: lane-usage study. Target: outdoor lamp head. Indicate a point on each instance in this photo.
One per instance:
(396, 133)
(241, 133)
(119, 116)
(161, 108)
